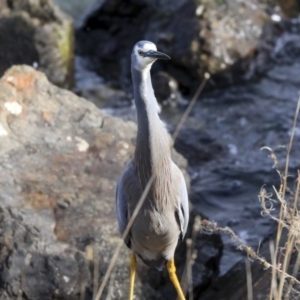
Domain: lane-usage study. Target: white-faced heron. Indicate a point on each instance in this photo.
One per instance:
(163, 218)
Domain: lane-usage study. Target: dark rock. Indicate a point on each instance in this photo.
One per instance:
(290, 8)
(17, 40)
(39, 34)
(206, 251)
(233, 285)
(60, 158)
(200, 36)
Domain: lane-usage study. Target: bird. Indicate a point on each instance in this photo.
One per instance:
(163, 218)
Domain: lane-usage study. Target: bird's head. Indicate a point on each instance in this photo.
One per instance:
(144, 54)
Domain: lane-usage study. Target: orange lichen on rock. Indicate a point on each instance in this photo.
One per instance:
(46, 116)
(40, 201)
(21, 81)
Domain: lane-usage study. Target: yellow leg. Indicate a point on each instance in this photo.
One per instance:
(132, 275)
(174, 279)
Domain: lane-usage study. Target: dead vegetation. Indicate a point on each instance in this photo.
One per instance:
(285, 255)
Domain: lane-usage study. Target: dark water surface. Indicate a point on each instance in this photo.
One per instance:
(238, 121)
(242, 120)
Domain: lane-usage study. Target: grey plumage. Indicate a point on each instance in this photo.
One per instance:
(163, 218)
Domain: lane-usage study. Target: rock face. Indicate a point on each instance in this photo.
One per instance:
(290, 8)
(39, 34)
(199, 36)
(33, 268)
(60, 158)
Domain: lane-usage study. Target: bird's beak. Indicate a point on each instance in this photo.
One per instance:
(157, 55)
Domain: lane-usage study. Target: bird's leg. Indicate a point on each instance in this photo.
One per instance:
(172, 273)
(132, 275)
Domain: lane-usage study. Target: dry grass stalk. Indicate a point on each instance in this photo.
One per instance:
(274, 287)
(191, 255)
(288, 217)
(249, 280)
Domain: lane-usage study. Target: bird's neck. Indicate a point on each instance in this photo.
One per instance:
(152, 154)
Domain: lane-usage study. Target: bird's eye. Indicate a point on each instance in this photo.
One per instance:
(140, 52)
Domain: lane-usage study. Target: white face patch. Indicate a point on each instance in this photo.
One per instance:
(139, 49)
(148, 46)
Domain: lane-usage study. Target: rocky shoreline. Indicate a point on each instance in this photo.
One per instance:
(60, 155)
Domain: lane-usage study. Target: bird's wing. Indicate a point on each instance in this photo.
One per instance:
(183, 212)
(184, 201)
(124, 190)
